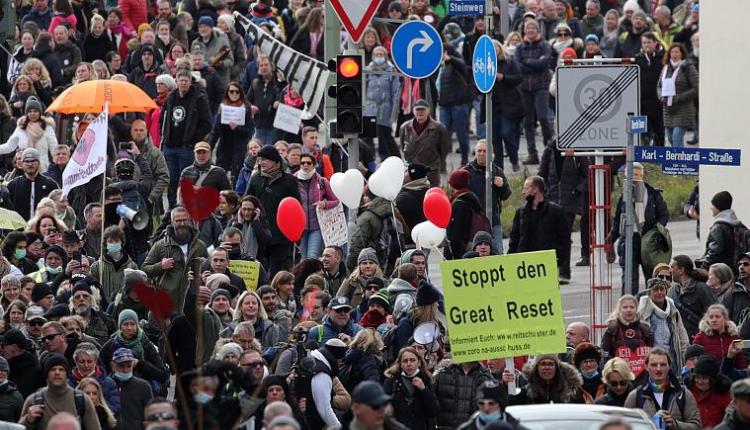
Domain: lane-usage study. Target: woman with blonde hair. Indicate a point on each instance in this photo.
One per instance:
(410, 383)
(363, 360)
(101, 71)
(716, 333)
(85, 72)
(40, 77)
(627, 336)
(619, 380)
(96, 44)
(250, 308)
(91, 388)
(23, 88)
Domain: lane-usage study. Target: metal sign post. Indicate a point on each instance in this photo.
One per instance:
(488, 126)
(627, 197)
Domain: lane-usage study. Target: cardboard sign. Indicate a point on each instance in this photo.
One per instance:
(333, 225)
(503, 306)
(287, 119)
(233, 114)
(249, 271)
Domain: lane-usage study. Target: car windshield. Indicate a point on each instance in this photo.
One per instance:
(576, 425)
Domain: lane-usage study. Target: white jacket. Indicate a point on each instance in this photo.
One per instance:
(20, 140)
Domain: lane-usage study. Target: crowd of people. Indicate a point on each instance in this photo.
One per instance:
(112, 322)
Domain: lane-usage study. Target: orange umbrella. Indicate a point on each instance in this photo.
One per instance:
(90, 96)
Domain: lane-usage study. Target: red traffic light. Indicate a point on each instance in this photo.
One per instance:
(349, 67)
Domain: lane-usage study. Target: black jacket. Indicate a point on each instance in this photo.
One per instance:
(566, 178)
(499, 194)
(185, 120)
(301, 43)
(409, 203)
(456, 391)
(454, 84)
(472, 423)
(135, 394)
(146, 79)
(611, 399)
(506, 94)
(51, 62)
(412, 407)
(737, 302)
(96, 48)
(216, 177)
(459, 227)
(271, 192)
(26, 373)
(540, 229)
(656, 211)
(650, 67)
(263, 95)
(20, 192)
(11, 402)
(69, 55)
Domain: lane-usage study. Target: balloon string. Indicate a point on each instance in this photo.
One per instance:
(395, 227)
(439, 253)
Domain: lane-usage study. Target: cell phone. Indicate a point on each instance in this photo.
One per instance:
(745, 344)
(125, 145)
(77, 255)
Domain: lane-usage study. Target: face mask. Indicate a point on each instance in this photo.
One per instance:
(124, 376)
(114, 248)
(379, 60)
(202, 398)
(490, 418)
(54, 270)
(20, 253)
(590, 375)
(164, 38)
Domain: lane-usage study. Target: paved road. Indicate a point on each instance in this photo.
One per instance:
(576, 294)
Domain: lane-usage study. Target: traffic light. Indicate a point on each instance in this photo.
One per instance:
(349, 94)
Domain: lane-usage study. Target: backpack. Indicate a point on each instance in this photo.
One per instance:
(479, 222)
(77, 396)
(390, 352)
(740, 240)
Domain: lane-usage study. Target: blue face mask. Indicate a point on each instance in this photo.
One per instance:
(590, 375)
(20, 253)
(490, 418)
(379, 60)
(114, 248)
(202, 397)
(124, 376)
(54, 270)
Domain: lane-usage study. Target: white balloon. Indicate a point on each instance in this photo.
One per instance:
(386, 182)
(427, 235)
(348, 187)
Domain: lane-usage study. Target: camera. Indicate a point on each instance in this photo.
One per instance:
(125, 145)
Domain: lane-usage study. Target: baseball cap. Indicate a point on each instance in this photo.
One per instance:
(370, 393)
(741, 388)
(33, 313)
(337, 303)
(421, 104)
(202, 146)
(123, 355)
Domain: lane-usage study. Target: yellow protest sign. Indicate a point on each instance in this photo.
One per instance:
(503, 306)
(249, 271)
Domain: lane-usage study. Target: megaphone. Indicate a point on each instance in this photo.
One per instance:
(139, 219)
(427, 334)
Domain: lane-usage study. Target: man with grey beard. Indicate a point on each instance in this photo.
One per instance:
(99, 325)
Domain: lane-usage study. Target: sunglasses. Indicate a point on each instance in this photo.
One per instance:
(665, 277)
(233, 92)
(618, 383)
(342, 311)
(255, 364)
(563, 33)
(49, 337)
(306, 163)
(36, 323)
(161, 416)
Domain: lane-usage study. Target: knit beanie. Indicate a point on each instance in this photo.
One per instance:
(459, 179)
(214, 280)
(4, 367)
(631, 6)
(569, 53)
(127, 315)
(693, 351)
(229, 348)
(219, 292)
(40, 291)
(166, 80)
(367, 254)
(54, 359)
(493, 390)
(722, 200)
(32, 103)
(381, 298)
(269, 152)
(707, 365)
(206, 20)
(481, 237)
(272, 380)
(427, 295)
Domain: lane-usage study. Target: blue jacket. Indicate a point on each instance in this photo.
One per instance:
(330, 331)
(383, 96)
(536, 59)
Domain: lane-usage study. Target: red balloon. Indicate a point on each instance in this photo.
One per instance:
(436, 190)
(437, 209)
(290, 218)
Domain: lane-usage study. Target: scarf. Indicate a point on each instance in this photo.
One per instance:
(371, 319)
(420, 127)
(560, 46)
(409, 92)
(640, 194)
(305, 176)
(122, 29)
(76, 374)
(35, 132)
(272, 173)
(676, 69)
(135, 344)
(658, 388)
(718, 292)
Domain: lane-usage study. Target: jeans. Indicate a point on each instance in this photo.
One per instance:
(177, 158)
(508, 131)
(536, 107)
(456, 118)
(478, 119)
(676, 136)
(265, 135)
(311, 244)
(497, 237)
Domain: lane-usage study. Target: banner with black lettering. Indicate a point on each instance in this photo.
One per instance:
(307, 75)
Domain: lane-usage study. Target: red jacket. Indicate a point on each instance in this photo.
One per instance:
(134, 13)
(712, 406)
(718, 345)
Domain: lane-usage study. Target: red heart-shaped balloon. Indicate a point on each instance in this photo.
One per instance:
(157, 301)
(199, 201)
(290, 217)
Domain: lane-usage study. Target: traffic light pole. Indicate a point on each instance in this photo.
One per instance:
(331, 44)
(352, 139)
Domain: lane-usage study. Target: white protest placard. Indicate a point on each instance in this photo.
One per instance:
(333, 225)
(235, 114)
(287, 119)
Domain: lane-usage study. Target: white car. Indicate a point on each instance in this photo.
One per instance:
(577, 416)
